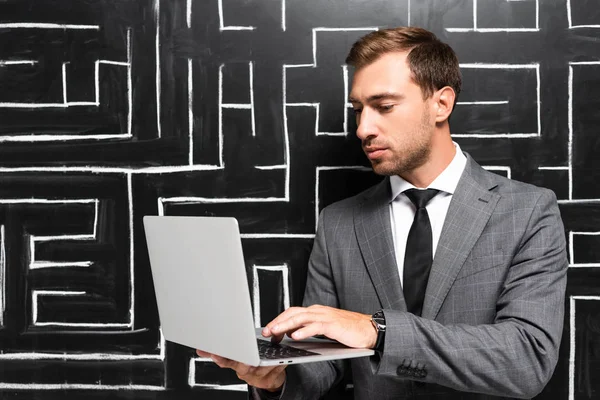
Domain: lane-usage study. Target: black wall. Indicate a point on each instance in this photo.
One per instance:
(113, 109)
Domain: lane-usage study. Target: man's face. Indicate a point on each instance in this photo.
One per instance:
(394, 121)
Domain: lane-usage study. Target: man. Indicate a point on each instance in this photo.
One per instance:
(486, 316)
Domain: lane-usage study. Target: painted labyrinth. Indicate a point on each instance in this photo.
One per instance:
(114, 109)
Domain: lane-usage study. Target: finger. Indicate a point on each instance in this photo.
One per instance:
(203, 354)
(317, 328)
(243, 370)
(319, 307)
(223, 362)
(277, 338)
(255, 372)
(267, 330)
(248, 372)
(291, 332)
(295, 322)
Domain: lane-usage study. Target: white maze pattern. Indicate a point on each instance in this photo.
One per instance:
(220, 108)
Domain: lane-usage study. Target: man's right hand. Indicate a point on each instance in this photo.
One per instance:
(267, 378)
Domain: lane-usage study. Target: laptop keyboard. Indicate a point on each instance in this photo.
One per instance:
(274, 351)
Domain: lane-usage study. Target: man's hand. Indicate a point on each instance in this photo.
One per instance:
(350, 328)
(267, 378)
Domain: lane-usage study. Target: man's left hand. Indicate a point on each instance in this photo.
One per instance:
(350, 328)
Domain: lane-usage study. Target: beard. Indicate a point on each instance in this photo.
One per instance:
(408, 163)
(412, 155)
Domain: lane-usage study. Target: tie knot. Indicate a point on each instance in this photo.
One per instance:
(421, 197)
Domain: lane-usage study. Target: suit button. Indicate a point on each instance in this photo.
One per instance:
(401, 370)
(423, 373)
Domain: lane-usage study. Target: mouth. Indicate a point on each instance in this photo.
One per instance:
(374, 153)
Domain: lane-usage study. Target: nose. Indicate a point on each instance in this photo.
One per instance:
(367, 128)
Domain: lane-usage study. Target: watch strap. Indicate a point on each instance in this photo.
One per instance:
(378, 321)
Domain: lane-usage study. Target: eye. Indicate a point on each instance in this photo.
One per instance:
(357, 111)
(385, 107)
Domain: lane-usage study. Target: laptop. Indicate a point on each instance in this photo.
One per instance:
(203, 297)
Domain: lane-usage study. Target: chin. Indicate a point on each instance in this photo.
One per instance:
(382, 169)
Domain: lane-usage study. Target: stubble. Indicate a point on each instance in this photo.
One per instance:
(415, 156)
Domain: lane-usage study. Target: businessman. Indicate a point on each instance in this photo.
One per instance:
(455, 275)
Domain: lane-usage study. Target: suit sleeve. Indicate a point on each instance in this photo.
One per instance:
(313, 380)
(514, 356)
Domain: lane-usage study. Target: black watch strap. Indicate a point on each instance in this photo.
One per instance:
(378, 321)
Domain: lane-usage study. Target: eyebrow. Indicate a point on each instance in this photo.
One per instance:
(378, 96)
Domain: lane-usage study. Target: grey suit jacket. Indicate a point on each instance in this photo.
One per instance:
(493, 312)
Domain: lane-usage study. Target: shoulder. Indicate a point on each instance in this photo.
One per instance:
(378, 192)
(510, 187)
(511, 192)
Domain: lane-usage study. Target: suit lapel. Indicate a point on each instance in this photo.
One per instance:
(374, 233)
(470, 209)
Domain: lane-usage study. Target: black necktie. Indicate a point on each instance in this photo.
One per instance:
(419, 251)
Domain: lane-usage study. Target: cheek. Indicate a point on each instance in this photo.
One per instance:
(408, 116)
(403, 123)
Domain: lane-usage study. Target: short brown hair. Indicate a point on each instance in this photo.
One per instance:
(432, 62)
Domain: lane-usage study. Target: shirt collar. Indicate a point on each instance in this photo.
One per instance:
(446, 181)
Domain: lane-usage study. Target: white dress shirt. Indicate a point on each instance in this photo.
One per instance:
(402, 210)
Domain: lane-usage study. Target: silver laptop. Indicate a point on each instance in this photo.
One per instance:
(203, 297)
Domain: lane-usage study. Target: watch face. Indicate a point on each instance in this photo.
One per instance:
(379, 319)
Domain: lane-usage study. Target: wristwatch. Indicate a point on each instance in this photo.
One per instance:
(378, 321)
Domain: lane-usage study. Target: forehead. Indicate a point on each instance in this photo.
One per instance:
(389, 73)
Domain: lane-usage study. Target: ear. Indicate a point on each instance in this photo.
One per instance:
(444, 102)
